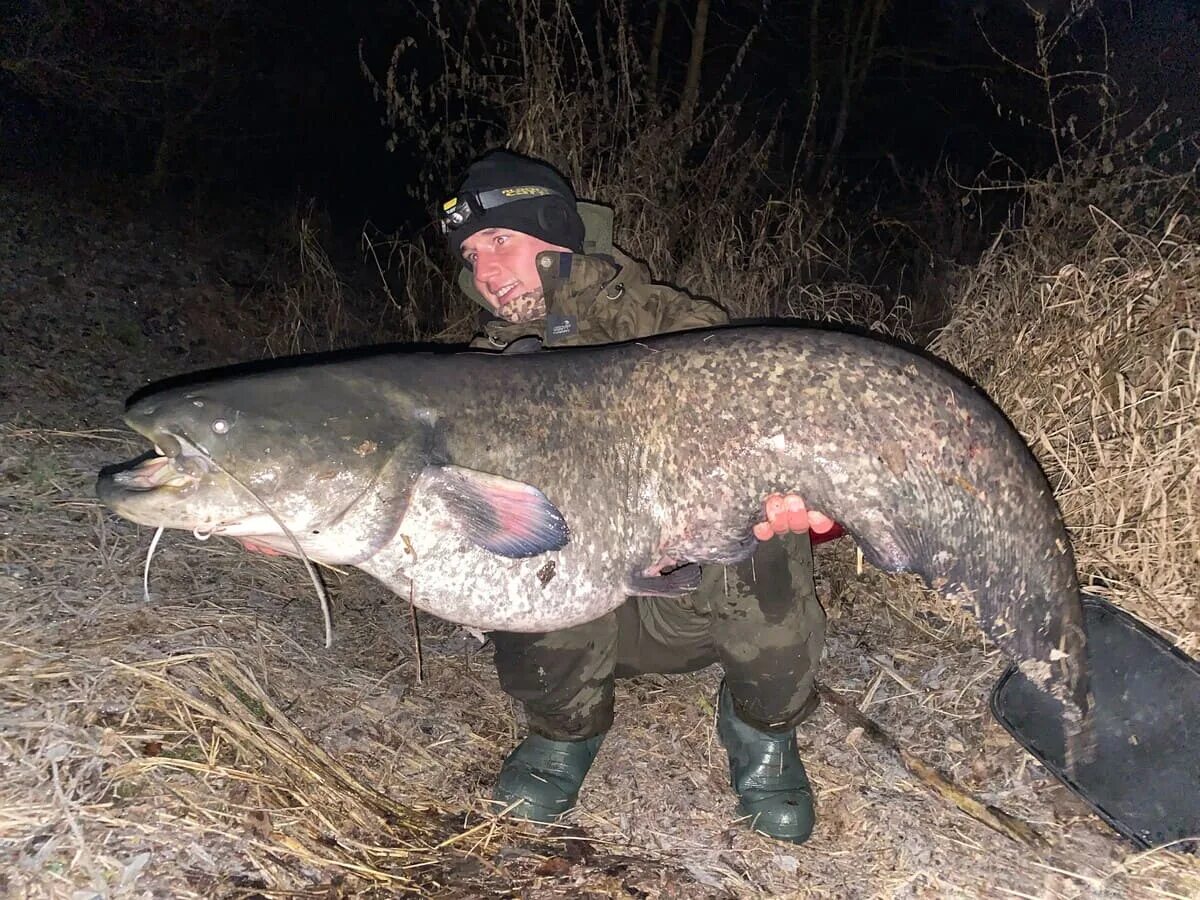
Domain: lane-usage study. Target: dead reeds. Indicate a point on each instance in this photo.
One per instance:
(1084, 326)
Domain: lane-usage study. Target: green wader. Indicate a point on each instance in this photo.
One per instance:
(760, 619)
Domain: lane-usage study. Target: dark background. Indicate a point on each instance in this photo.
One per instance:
(265, 102)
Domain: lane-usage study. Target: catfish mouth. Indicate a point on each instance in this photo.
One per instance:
(175, 463)
(165, 487)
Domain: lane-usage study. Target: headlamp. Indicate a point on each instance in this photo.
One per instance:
(457, 211)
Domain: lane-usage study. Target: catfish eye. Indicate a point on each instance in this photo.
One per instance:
(220, 426)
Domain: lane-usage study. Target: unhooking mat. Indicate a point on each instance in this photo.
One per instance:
(1145, 777)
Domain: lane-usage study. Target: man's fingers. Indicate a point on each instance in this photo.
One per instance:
(774, 507)
(819, 522)
(797, 515)
(787, 512)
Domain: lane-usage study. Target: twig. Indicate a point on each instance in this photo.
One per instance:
(996, 819)
(416, 633)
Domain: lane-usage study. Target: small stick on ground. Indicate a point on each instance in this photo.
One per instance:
(996, 819)
(416, 634)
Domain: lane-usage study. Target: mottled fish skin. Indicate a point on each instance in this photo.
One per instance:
(665, 449)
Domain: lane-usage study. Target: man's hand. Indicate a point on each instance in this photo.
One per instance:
(785, 513)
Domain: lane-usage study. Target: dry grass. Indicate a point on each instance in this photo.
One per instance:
(202, 744)
(314, 315)
(1086, 327)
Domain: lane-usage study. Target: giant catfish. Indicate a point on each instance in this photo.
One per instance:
(536, 492)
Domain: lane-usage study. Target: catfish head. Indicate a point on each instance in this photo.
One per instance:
(312, 451)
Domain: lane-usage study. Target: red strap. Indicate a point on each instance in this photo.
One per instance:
(835, 532)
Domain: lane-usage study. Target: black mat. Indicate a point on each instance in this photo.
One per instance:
(1145, 777)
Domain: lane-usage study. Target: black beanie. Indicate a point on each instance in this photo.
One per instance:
(553, 218)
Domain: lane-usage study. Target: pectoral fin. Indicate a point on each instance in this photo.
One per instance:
(675, 583)
(505, 517)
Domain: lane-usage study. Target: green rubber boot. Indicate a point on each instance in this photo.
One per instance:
(767, 774)
(544, 776)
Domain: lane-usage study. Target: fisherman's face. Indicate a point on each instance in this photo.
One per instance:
(504, 268)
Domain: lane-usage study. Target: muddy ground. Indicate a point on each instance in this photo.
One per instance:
(135, 759)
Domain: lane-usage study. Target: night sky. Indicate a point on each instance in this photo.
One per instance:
(269, 101)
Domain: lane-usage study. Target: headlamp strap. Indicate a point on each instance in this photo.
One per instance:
(457, 210)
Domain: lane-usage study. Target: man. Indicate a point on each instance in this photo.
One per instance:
(518, 231)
